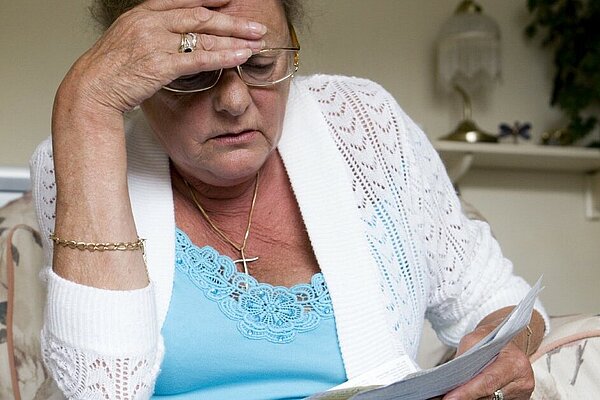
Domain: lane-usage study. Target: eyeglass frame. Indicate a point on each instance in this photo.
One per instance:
(295, 47)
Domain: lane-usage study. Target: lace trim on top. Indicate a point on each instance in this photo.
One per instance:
(274, 313)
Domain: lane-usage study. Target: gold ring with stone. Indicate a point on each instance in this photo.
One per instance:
(188, 42)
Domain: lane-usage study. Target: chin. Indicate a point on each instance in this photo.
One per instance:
(237, 170)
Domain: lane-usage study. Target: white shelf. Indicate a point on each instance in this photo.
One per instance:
(13, 182)
(459, 157)
(523, 156)
(14, 179)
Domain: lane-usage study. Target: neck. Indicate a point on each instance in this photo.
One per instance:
(217, 194)
(227, 201)
(240, 247)
(208, 192)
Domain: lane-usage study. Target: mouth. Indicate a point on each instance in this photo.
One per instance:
(236, 138)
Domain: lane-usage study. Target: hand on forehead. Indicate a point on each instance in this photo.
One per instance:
(267, 12)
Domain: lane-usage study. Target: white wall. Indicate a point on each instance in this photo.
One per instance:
(39, 40)
(538, 218)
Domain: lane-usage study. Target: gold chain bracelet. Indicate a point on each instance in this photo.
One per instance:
(115, 246)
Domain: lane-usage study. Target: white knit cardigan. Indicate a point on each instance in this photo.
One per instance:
(383, 220)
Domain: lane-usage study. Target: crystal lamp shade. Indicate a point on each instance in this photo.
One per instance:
(468, 51)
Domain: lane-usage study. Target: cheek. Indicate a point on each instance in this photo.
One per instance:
(160, 112)
(163, 118)
(271, 106)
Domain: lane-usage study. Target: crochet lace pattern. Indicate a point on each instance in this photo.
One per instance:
(263, 311)
(423, 244)
(84, 375)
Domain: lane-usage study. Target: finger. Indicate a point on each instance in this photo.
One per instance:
(473, 338)
(482, 386)
(203, 20)
(163, 5)
(191, 63)
(511, 372)
(216, 43)
(492, 378)
(206, 43)
(147, 34)
(215, 52)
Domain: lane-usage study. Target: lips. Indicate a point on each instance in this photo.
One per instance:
(232, 134)
(236, 138)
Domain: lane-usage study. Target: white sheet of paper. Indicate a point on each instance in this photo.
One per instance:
(387, 373)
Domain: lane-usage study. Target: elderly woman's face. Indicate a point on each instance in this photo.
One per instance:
(222, 136)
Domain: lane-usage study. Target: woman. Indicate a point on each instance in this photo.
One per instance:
(268, 206)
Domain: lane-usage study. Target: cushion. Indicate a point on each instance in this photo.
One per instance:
(22, 297)
(567, 364)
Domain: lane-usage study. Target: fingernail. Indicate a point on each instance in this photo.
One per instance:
(257, 28)
(243, 54)
(257, 45)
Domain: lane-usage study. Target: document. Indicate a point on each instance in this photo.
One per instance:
(426, 384)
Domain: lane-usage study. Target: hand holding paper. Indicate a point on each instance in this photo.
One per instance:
(440, 380)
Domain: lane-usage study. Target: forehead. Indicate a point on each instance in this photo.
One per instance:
(268, 12)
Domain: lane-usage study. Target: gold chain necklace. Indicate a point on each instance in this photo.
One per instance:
(241, 248)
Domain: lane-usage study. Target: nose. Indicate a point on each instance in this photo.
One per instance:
(231, 95)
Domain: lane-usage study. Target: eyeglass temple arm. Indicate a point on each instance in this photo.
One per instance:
(294, 37)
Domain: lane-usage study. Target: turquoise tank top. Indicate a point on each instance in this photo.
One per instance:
(228, 336)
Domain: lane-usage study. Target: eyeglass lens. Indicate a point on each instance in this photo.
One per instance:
(265, 68)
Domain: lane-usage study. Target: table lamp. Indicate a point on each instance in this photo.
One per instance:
(468, 59)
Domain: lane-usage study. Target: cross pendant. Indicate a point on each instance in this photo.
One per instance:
(244, 261)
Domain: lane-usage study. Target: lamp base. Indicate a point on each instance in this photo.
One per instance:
(468, 131)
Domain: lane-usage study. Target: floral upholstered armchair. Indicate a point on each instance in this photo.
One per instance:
(22, 295)
(567, 365)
